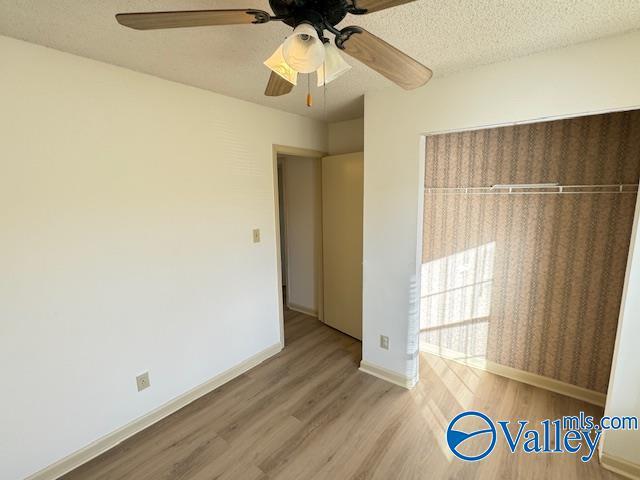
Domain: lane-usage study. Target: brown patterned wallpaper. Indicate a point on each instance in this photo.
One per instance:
(532, 281)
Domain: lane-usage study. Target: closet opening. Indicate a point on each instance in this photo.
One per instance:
(526, 232)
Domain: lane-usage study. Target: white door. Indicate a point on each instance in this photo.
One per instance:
(342, 200)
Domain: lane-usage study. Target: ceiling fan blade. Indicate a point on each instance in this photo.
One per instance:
(376, 5)
(277, 86)
(192, 18)
(385, 59)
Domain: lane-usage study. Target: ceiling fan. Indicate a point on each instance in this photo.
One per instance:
(307, 49)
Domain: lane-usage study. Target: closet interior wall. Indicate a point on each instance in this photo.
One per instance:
(532, 279)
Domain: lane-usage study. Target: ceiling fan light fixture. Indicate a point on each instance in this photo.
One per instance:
(276, 63)
(334, 65)
(303, 50)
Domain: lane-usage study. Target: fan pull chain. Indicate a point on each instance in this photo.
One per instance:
(309, 98)
(324, 89)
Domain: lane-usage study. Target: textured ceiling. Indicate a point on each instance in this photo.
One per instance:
(445, 35)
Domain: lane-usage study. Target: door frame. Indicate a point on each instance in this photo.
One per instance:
(297, 152)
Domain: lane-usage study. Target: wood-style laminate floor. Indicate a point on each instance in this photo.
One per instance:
(308, 413)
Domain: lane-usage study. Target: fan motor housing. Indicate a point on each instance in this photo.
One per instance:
(316, 12)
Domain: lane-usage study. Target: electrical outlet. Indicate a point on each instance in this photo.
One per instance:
(143, 381)
(384, 342)
(256, 235)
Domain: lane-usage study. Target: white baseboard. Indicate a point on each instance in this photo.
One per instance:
(300, 309)
(387, 375)
(109, 441)
(573, 391)
(620, 466)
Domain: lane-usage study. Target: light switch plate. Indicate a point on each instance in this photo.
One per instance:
(384, 342)
(142, 381)
(256, 235)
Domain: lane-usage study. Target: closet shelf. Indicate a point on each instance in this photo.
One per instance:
(535, 189)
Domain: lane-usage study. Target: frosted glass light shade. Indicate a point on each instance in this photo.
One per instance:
(277, 64)
(303, 50)
(334, 65)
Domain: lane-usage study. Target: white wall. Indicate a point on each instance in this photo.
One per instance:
(127, 205)
(303, 212)
(346, 137)
(590, 77)
(623, 397)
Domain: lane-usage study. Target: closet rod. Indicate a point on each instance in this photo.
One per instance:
(535, 189)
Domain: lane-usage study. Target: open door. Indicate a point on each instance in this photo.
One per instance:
(342, 202)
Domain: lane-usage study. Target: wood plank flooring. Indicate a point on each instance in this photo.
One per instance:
(308, 413)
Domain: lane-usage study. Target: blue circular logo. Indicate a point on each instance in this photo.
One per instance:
(456, 438)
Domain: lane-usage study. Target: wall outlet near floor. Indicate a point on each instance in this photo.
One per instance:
(142, 381)
(384, 342)
(256, 235)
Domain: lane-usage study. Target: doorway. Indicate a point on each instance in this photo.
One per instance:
(319, 228)
(300, 215)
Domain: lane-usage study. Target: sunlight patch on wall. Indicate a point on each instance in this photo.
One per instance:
(456, 300)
